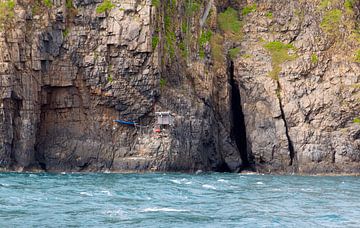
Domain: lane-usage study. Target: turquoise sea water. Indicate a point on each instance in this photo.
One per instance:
(177, 200)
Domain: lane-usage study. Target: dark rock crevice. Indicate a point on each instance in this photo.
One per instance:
(238, 127)
(283, 117)
(14, 105)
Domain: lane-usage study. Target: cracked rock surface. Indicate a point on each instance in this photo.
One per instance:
(66, 73)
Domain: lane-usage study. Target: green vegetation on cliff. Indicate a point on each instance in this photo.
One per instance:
(279, 54)
(203, 40)
(69, 4)
(105, 6)
(155, 3)
(229, 23)
(66, 32)
(170, 36)
(324, 4)
(47, 3)
(349, 4)
(191, 7)
(154, 42)
(357, 56)
(314, 58)
(331, 21)
(6, 12)
(162, 82)
(217, 50)
(234, 52)
(269, 15)
(248, 9)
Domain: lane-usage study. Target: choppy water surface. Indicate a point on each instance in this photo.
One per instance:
(177, 200)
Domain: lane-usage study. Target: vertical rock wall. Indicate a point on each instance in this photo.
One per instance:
(271, 88)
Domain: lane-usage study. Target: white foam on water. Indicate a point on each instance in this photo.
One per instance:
(63, 173)
(208, 186)
(222, 180)
(176, 181)
(106, 192)
(307, 190)
(86, 194)
(181, 181)
(5, 185)
(116, 213)
(198, 171)
(163, 209)
(259, 182)
(247, 174)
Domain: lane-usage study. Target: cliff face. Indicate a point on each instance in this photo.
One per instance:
(263, 85)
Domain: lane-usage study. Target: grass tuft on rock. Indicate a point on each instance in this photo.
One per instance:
(331, 21)
(357, 56)
(314, 58)
(269, 15)
(155, 3)
(66, 32)
(48, 3)
(154, 42)
(230, 24)
(6, 12)
(203, 40)
(162, 82)
(110, 79)
(106, 6)
(356, 120)
(234, 52)
(279, 54)
(324, 4)
(248, 9)
(348, 5)
(217, 50)
(69, 4)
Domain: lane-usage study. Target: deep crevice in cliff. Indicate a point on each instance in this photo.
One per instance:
(13, 105)
(283, 117)
(238, 128)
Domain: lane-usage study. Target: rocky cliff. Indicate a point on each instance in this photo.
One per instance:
(264, 85)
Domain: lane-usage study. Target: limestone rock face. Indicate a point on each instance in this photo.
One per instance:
(67, 72)
(316, 100)
(63, 85)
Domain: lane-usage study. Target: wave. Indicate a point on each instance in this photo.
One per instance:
(222, 180)
(181, 181)
(163, 209)
(108, 193)
(118, 213)
(176, 181)
(307, 190)
(86, 194)
(208, 186)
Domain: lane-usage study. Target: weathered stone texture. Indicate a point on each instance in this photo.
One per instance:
(67, 74)
(319, 98)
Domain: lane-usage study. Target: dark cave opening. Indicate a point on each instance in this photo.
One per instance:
(238, 128)
(223, 168)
